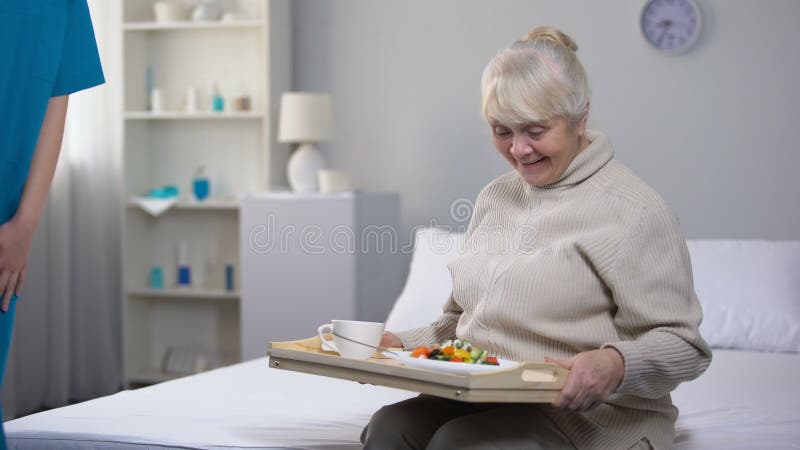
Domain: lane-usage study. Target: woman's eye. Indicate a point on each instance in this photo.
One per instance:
(501, 132)
(535, 134)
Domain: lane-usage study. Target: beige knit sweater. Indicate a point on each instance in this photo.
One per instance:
(595, 259)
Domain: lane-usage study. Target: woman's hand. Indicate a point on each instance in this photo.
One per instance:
(390, 340)
(15, 243)
(593, 376)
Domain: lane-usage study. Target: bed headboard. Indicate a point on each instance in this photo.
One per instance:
(749, 289)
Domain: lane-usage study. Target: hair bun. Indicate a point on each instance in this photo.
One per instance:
(550, 34)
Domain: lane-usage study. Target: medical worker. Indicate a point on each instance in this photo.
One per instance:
(47, 51)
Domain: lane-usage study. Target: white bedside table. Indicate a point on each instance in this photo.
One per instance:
(310, 258)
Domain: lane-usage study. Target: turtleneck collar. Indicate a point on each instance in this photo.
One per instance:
(586, 163)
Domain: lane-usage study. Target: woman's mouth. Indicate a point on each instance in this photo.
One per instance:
(536, 163)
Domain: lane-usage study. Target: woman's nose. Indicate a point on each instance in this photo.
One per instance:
(520, 146)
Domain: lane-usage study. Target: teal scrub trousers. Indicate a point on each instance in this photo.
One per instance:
(6, 325)
(47, 49)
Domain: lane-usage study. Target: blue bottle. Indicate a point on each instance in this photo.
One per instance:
(217, 101)
(184, 272)
(156, 278)
(201, 186)
(229, 277)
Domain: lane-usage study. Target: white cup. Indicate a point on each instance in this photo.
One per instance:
(168, 12)
(332, 181)
(369, 333)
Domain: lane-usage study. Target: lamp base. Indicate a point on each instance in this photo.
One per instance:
(302, 168)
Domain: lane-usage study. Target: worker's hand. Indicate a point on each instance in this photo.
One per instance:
(593, 377)
(390, 340)
(15, 243)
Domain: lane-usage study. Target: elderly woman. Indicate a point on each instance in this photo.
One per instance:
(569, 258)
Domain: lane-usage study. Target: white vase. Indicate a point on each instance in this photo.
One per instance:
(208, 10)
(302, 169)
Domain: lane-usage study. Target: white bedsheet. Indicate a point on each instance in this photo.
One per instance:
(246, 405)
(745, 400)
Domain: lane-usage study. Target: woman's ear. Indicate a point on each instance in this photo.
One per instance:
(582, 122)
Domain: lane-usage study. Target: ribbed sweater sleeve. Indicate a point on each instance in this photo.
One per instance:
(440, 330)
(658, 313)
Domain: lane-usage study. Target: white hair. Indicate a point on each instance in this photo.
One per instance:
(536, 78)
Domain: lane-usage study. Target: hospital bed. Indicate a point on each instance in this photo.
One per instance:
(747, 399)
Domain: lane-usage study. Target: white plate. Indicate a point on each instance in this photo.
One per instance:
(447, 366)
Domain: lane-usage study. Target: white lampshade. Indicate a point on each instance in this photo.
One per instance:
(305, 117)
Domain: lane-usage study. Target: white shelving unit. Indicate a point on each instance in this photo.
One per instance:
(238, 149)
(146, 115)
(222, 205)
(207, 294)
(172, 26)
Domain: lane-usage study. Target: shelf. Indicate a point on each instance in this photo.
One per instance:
(146, 115)
(187, 25)
(208, 205)
(186, 293)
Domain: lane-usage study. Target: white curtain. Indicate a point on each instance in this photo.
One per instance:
(67, 335)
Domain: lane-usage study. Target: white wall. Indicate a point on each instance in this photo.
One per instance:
(713, 130)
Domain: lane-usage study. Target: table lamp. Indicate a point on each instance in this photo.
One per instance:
(305, 118)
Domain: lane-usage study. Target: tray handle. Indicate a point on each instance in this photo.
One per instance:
(530, 375)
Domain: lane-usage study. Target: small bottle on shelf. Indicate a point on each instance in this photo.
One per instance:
(217, 100)
(192, 100)
(184, 269)
(229, 278)
(156, 278)
(156, 101)
(201, 186)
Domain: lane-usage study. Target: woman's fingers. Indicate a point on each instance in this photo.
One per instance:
(581, 392)
(571, 392)
(390, 340)
(564, 364)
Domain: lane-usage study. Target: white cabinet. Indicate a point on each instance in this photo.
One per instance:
(310, 258)
(195, 328)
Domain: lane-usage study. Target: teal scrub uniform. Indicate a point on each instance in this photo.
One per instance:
(47, 49)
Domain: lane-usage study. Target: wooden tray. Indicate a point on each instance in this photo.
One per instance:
(529, 382)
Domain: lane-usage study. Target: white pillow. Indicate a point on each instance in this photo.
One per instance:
(429, 284)
(750, 292)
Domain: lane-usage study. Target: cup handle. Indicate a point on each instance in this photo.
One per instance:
(321, 332)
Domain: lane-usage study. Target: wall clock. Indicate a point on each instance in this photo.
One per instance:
(671, 26)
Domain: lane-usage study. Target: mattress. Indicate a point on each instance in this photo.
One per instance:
(745, 400)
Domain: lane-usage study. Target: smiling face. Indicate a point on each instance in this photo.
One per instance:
(540, 151)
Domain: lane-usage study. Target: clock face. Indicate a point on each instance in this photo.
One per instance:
(671, 25)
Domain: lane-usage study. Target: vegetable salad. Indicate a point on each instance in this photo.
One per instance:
(455, 350)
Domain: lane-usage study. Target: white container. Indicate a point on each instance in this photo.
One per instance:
(332, 181)
(192, 100)
(168, 12)
(208, 10)
(156, 101)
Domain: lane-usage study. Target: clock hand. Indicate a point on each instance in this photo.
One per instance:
(666, 25)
